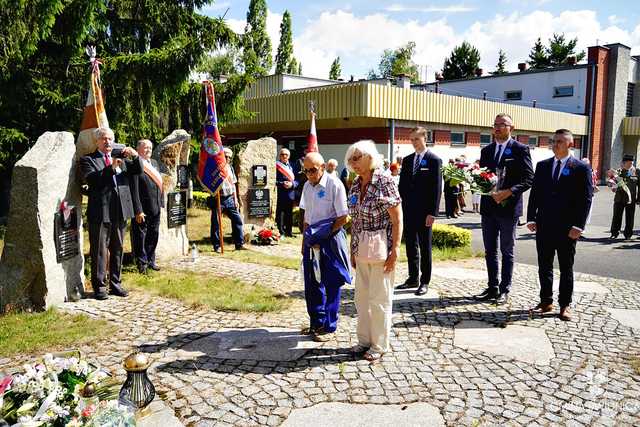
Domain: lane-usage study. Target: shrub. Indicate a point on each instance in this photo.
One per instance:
(450, 236)
(200, 199)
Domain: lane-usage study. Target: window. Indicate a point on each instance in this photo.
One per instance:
(457, 138)
(630, 90)
(513, 95)
(429, 137)
(485, 139)
(561, 91)
(533, 141)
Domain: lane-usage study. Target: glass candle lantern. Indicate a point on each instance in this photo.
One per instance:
(137, 388)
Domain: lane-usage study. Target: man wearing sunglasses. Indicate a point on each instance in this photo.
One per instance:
(324, 247)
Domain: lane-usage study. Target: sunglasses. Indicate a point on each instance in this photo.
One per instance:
(310, 171)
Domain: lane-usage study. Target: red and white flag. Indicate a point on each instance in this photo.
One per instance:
(312, 139)
(94, 114)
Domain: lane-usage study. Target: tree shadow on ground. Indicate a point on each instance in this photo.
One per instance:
(501, 318)
(255, 350)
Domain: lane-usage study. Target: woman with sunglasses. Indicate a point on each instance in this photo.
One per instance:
(376, 212)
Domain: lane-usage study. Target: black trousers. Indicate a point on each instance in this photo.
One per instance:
(144, 240)
(284, 217)
(629, 213)
(450, 200)
(105, 240)
(548, 244)
(417, 241)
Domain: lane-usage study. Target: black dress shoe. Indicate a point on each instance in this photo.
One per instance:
(486, 295)
(240, 248)
(118, 291)
(154, 267)
(408, 284)
(502, 299)
(422, 289)
(100, 295)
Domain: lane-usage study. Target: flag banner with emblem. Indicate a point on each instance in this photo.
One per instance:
(312, 139)
(212, 164)
(94, 114)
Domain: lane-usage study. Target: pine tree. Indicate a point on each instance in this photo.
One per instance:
(559, 50)
(256, 42)
(299, 69)
(336, 70)
(502, 62)
(285, 48)
(292, 68)
(462, 63)
(538, 57)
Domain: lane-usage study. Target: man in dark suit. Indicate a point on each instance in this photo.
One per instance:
(624, 201)
(511, 161)
(148, 198)
(557, 211)
(108, 173)
(420, 188)
(287, 184)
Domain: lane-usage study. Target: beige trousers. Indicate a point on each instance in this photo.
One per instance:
(374, 301)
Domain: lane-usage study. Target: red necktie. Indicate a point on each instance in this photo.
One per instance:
(107, 159)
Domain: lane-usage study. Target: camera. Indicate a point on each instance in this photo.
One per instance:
(117, 151)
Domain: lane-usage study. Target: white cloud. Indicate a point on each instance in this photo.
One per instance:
(456, 8)
(360, 40)
(215, 8)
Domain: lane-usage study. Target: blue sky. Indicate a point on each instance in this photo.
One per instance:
(358, 31)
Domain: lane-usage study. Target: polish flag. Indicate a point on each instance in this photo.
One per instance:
(312, 139)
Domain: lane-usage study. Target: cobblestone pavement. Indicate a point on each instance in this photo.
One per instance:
(594, 378)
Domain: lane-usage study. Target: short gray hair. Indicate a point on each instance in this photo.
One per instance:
(144, 141)
(285, 150)
(100, 132)
(366, 147)
(333, 161)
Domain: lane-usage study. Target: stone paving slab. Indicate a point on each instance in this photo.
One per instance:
(348, 415)
(468, 387)
(523, 343)
(276, 344)
(583, 287)
(630, 318)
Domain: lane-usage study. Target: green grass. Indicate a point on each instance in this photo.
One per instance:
(200, 290)
(635, 364)
(50, 330)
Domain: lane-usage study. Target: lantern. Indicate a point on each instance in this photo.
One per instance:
(137, 388)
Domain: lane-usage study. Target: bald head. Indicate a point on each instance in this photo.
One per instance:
(314, 167)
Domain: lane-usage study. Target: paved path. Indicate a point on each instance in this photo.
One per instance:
(576, 373)
(596, 253)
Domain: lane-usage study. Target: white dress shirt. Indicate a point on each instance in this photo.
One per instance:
(326, 199)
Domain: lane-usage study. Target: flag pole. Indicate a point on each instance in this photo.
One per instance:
(220, 229)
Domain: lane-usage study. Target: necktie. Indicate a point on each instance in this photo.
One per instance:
(107, 159)
(416, 164)
(497, 158)
(556, 171)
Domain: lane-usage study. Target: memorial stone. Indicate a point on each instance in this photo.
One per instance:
(256, 170)
(36, 271)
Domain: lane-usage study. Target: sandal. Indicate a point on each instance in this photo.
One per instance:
(373, 356)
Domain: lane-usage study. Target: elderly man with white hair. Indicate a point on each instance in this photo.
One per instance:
(332, 165)
(324, 247)
(287, 184)
(229, 206)
(108, 171)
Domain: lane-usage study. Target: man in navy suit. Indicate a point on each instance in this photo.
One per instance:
(420, 188)
(557, 211)
(287, 184)
(148, 198)
(511, 161)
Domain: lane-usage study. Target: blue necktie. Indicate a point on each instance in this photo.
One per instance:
(556, 171)
(416, 165)
(497, 159)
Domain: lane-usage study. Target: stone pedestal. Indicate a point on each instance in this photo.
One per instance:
(262, 151)
(171, 152)
(30, 275)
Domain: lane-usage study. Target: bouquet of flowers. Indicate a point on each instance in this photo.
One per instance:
(455, 174)
(266, 236)
(615, 180)
(484, 182)
(52, 393)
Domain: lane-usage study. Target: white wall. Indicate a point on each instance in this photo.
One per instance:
(444, 152)
(290, 82)
(534, 85)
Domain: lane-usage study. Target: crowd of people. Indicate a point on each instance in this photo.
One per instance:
(385, 203)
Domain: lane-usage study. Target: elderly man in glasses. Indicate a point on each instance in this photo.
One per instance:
(324, 247)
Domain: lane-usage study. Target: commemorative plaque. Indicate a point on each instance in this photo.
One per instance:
(176, 209)
(259, 203)
(67, 235)
(183, 176)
